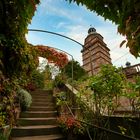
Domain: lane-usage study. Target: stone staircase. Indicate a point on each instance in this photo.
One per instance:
(39, 122)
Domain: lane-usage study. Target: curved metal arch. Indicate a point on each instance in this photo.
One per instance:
(45, 31)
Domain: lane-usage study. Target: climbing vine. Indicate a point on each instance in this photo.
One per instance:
(58, 58)
(18, 58)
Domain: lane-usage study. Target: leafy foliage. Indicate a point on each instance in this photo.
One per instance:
(78, 71)
(133, 94)
(69, 124)
(108, 78)
(25, 99)
(61, 98)
(37, 79)
(58, 58)
(48, 81)
(18, 59)
(59, 81)
(137, 86)
(15, 52)
(106, 86)
(15, 16)
(7, 94)
(5, 133)
(124, 13)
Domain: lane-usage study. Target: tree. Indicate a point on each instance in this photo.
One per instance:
(37, 79)
(124, 13)
(78, 71)
(133, 94)
(48, 82)
(107, 85)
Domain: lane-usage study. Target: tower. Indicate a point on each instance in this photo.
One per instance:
(95, 52)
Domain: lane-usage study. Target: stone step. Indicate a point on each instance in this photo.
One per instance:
(45, 137)
(42, 96)
(41, 93)
(42, 101)
(36, 121)
(35, 130)
(47, 104)
(38, 114)
(40, 121)
(41, 108)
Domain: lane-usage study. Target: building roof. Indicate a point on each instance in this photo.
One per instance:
(91, 30)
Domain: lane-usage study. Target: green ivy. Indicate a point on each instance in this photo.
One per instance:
(17, 58)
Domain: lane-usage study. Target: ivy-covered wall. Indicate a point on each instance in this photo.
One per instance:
(16, 59)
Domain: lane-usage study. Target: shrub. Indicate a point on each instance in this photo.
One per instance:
(61, 98)
(5, 132)
(25, 99)
(59, 80)
(69, 124)
(2, 137)
(30, 87)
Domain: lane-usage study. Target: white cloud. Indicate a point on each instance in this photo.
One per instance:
(119, 55)
(77, 32)
(78, 26)
(61, 24)
(54, 8)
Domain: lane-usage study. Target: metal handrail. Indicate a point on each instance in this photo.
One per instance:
(108, 130)
(98, 127)
(77, 119)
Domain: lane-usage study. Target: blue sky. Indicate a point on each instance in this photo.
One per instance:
(74, 21)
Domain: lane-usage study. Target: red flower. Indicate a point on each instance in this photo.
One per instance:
(58, 58)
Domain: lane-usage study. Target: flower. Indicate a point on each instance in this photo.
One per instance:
(60, 59)
(68, 124)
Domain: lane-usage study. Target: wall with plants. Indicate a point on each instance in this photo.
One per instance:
(15, 53)
(18, 59)
(96, 100)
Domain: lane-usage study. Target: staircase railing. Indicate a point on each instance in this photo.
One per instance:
(116, 134)
(103, 131)
(90, 138)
